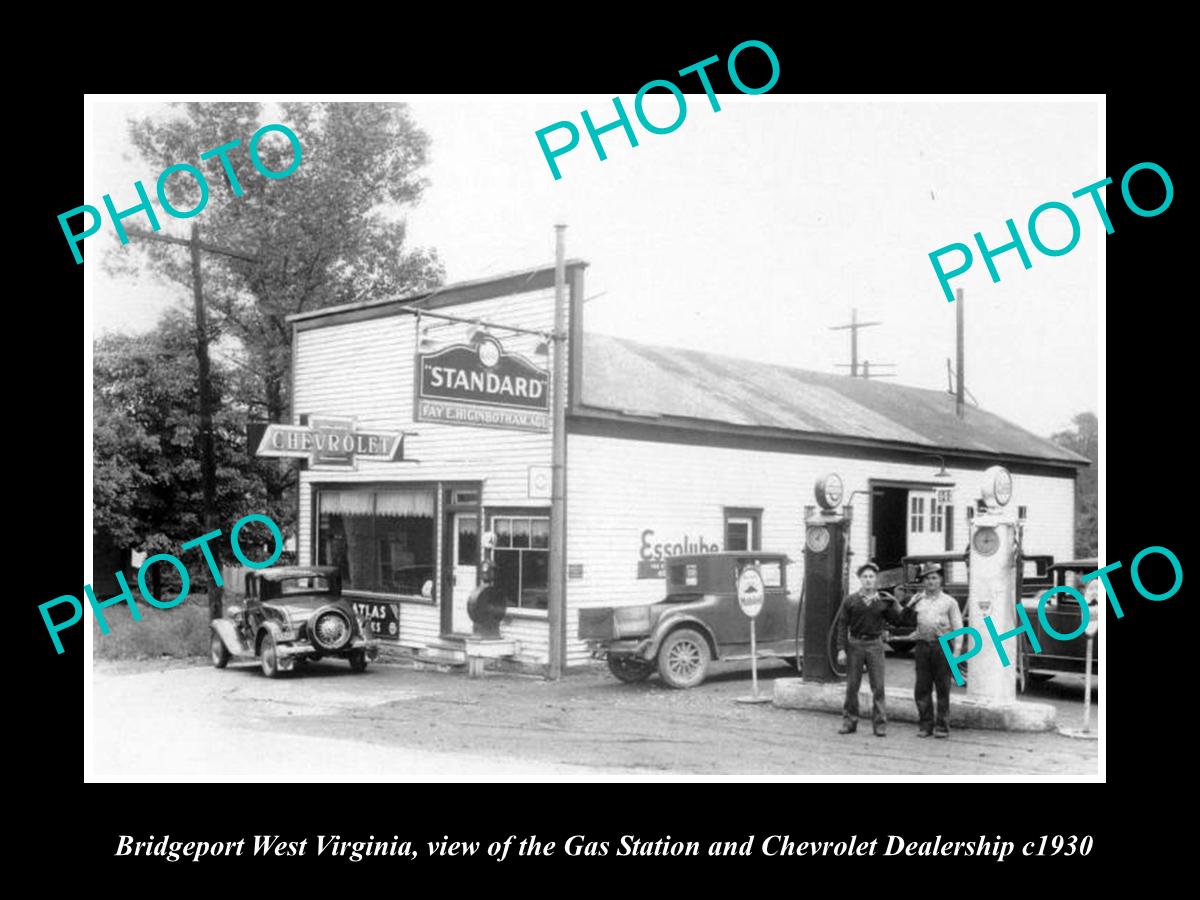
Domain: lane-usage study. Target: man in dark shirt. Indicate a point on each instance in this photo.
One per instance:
(860, 643)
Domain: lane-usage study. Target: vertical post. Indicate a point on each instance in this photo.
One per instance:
(853, 343)
(1087, 687)
(959, 407)
(754, 658)
(208, 461)
(557, 612)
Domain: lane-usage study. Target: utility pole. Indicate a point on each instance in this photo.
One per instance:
(959, 405)
(557, 611)
(208, 456)
(853, 326)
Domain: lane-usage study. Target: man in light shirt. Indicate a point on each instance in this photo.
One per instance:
(937, 613)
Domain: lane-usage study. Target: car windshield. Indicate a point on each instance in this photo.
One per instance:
(306, 584)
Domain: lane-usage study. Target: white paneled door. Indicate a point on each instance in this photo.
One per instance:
(465, 554)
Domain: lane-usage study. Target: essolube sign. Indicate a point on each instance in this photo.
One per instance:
(480, 384)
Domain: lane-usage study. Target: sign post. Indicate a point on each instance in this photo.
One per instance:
(750, 598)
(1086, 731)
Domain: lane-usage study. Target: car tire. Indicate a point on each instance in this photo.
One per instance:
(683, 658)
(268, 656)
(629, 669)
(358, 660)
(218, 652)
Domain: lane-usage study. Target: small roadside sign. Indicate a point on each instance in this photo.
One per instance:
(750, 591)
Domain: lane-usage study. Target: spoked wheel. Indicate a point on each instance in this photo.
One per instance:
(268, 655)
(629, 669)
(218, 651)
(683, 658)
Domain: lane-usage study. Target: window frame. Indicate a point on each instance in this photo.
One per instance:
(752, 516)
(490, 515)
(916, 514)
(431, 487)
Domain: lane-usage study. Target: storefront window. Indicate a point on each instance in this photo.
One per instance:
(383, 541)
(522, 558)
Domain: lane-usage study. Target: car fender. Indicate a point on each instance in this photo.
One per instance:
(275, 631)
(667, 624)
(227, 632)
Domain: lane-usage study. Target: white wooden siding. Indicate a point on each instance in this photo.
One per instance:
(616, 488)
(366, 370)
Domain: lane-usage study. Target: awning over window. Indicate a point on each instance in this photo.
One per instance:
(347, 503)
(404, 503)
(380, 503)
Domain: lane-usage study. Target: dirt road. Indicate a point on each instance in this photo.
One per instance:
(399, 723)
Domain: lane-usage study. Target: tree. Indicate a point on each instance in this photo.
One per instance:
(327, 234)
(1084, 439)
(146, 477)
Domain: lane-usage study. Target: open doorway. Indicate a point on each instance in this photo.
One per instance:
(889, 531)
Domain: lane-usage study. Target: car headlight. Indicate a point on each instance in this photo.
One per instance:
(330, 629)
(631, 621)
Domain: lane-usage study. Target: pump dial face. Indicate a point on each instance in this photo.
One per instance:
(997, 487)
(986, 541)
(829, 491)
(1003, 487)
(817, 539)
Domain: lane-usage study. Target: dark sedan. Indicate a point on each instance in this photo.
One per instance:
(698, 620)
(292, 613)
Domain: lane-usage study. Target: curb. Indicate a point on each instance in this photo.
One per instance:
(965, 712)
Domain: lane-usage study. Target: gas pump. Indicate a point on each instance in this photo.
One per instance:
(824, 576)
(486, 606)
(993, 564)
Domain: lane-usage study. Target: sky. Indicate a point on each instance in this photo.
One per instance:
(752, 230)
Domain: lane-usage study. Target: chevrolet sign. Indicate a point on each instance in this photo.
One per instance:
(330, 442)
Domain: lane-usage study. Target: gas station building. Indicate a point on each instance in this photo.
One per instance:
(419, 431)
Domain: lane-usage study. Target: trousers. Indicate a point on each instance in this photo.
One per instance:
(933, 672)
(860, 653)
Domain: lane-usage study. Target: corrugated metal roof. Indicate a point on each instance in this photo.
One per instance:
(644, 380)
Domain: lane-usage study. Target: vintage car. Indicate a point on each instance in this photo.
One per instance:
(697, 621)
(1063, 614)
(292, 613)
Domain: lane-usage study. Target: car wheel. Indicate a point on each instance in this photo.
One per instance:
(358, 661)
(683, 658)
(268, 655)
(629, 669)
(218, 651)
